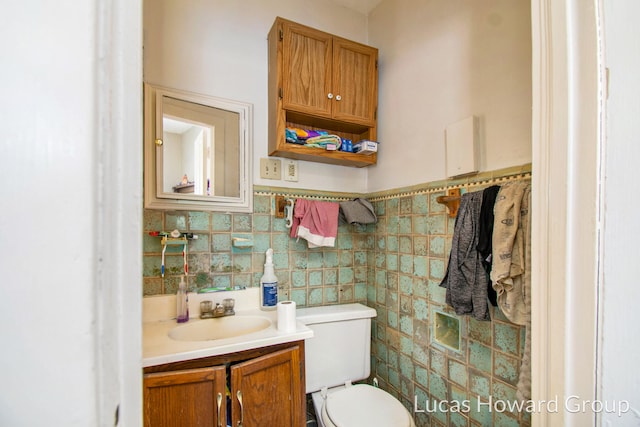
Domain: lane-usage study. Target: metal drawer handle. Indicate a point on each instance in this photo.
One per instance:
(239, 395)
(219, 401)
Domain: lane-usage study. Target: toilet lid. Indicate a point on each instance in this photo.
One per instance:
(362, 405)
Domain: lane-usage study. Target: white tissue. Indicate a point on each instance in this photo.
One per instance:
(286, 316)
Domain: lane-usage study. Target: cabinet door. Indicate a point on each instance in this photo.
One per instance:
(271, 390)
(187, 398)
(306, 78)
(355, 82)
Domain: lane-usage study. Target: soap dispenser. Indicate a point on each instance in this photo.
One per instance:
(182, 302)
(268, 284)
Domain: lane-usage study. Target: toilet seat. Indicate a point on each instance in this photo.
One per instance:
(362, 405)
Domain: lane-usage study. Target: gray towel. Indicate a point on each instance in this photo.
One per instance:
(358, 211)
(466, 280)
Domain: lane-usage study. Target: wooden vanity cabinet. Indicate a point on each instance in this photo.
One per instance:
(320, 81)
(268, 381)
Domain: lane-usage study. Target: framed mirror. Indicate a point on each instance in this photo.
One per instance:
(197, 151)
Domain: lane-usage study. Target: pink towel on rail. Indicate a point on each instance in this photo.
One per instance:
(316, 222)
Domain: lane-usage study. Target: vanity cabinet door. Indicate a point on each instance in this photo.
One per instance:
(185, 398)
(269, 390)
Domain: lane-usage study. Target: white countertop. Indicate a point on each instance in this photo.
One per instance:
(159, 319)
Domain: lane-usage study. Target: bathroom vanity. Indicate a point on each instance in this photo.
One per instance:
(266, 385)
(254, 376)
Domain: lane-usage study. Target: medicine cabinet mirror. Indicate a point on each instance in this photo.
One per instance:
(197, 152)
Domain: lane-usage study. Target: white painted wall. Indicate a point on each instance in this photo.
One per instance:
(621, 291)
(443, 61)
(70, 168)
(219, 48)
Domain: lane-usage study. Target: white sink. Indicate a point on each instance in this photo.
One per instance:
(219, 328)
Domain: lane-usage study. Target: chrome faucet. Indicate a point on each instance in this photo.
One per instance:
(208, 311)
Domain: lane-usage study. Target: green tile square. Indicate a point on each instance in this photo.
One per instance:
(421, 309)
(434, 206)
(199, 221)
(175, 221)
(480, 356)
(221, 242)
(220, 222)
(392, 319)
(152, 221)
(261, 223)
(330, 276)
(262, 204)
(406, 366)
(315, 278)
(506, 368)
(406, 345)
(406, 264)
(406, 325)
(437, 386)
(344, 242)
(261, 242)
(315, 259)
(360, 258)
(345, 258)
(480, 331)
(221, 262)
(421, 375)
(420, 225)
(392, 243)
(404, 225)
(392, 262)
(280, 242)
(406, 284)
(458, 373)
(507, 338)
(298, 260)
(420, 266)
(315, 296)
(437, 294)
(438, 362)
(299, 296)
(331, 259)
(201, 244)
(330, 295)
(345, 276)
(436, 224)
(405, 245)
(479, 384)
(436, 268)
(242, 222)
(420, 245)
(436, 246)
(299, 279)
(360, 291)
(241, 263)
(420, 204)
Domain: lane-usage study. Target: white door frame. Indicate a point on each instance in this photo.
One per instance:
(566, 141)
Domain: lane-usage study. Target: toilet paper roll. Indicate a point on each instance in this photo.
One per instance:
(286, 316)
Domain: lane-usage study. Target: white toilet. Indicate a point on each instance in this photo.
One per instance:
(338, 354)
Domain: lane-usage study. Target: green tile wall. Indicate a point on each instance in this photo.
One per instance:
(308, 276)
(394, 266)
(412, 243)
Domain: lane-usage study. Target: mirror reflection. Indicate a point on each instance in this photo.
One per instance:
(197, 151)
(200, 151)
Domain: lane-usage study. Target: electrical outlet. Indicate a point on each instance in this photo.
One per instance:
(290, 170)
(270, 169)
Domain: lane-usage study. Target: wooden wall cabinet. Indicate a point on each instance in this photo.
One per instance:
(320, 81)
(267, 389)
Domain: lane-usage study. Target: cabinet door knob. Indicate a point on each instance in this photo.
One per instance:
(158, 142)
(338, 97)
(330, 95)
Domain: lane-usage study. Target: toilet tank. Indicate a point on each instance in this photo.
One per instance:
(341, 344)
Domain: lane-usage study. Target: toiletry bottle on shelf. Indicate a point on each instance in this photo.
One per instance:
(268, 284)
(182, 302)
